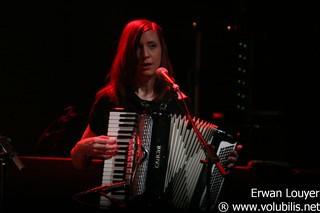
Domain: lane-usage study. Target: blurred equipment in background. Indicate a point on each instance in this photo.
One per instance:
(61, 134)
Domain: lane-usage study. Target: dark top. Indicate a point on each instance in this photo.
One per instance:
(98, 117)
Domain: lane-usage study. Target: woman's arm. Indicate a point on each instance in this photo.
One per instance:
(92, 146)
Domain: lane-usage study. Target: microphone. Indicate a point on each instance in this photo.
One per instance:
(163, 72)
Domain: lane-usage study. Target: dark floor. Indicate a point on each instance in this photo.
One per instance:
(52, 183)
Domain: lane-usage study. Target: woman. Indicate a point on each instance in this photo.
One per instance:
(133, 84)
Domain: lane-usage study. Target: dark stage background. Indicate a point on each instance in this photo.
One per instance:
(54, 57)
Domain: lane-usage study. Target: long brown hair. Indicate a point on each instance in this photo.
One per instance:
(120, 78)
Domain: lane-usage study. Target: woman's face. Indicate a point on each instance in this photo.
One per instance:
(149, 54)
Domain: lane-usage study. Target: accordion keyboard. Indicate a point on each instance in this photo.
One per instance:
(217, 179)
(122, 126)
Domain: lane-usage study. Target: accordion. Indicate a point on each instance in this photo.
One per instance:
(160, 156)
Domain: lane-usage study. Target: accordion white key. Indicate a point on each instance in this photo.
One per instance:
(160, 156)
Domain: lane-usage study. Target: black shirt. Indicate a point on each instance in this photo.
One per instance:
(99, 114)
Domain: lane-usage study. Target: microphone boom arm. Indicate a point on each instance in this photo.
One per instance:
(208, 149)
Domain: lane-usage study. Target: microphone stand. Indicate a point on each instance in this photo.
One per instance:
(211, 157)
(11, 152)
(7, 152)
(3, 174)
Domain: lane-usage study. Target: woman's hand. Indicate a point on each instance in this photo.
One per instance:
(233, 157)
(98, 146)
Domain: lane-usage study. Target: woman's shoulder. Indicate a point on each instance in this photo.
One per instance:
(104, 99)
(103, 93)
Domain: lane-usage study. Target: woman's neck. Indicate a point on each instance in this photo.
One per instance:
(145, 90)
(145, 93)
